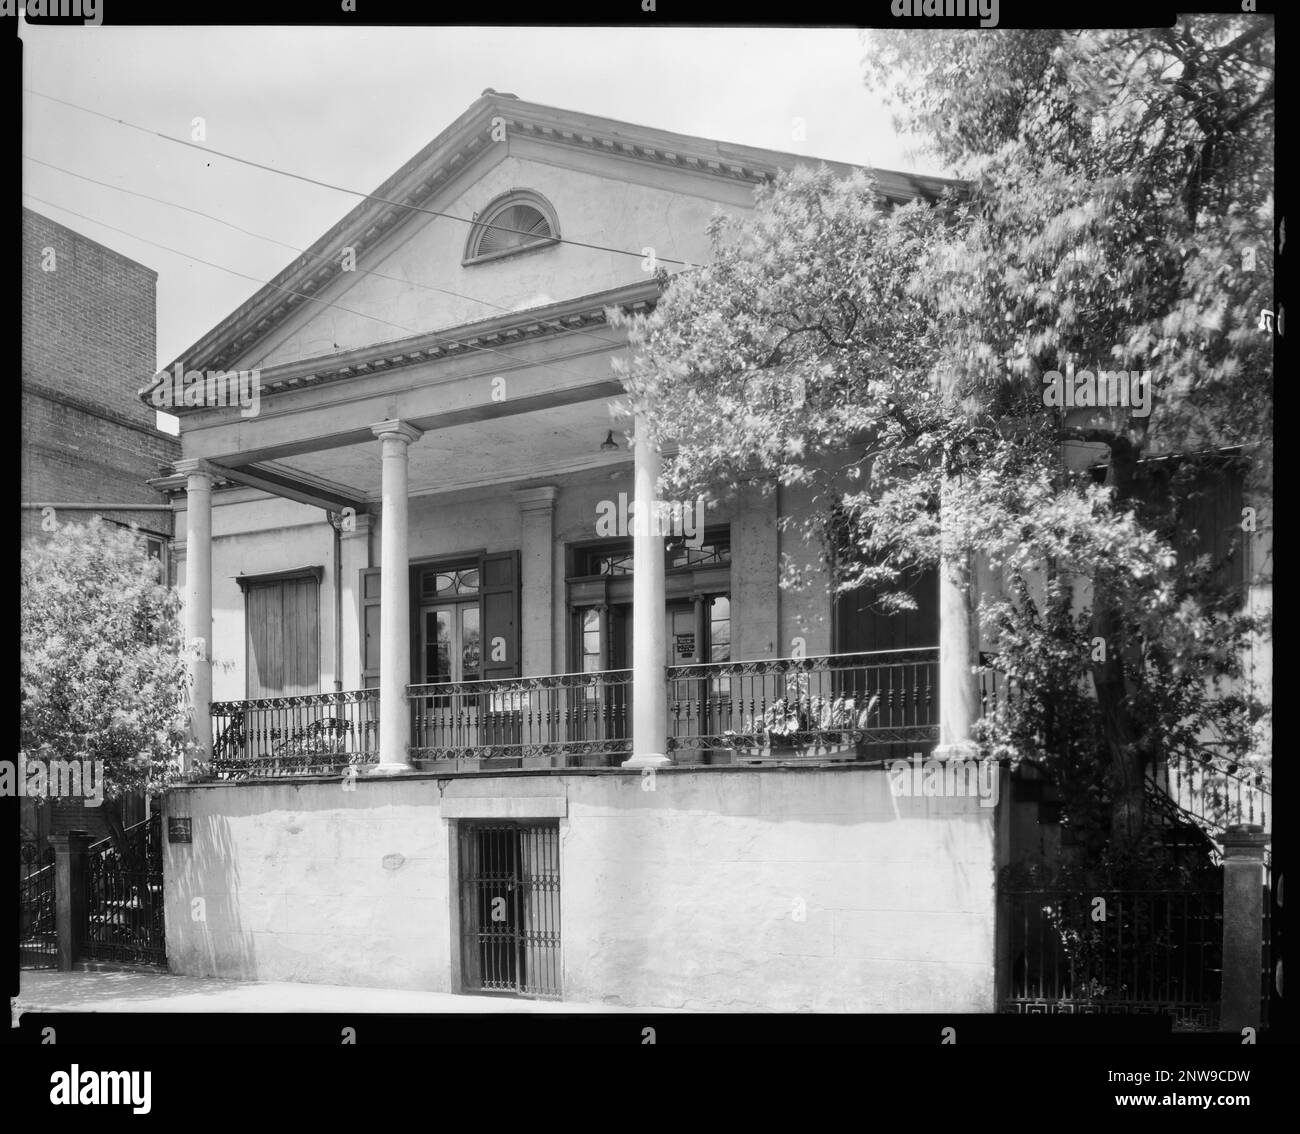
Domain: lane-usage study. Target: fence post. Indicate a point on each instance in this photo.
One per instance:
(70, 895)
(1243, 926)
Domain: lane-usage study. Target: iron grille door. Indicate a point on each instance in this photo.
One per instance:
(124, 898)
(510, 908)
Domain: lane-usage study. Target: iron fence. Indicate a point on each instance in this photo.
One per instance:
(38, 946)
(1115, 951)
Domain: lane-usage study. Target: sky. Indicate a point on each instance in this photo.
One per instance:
(350, 105)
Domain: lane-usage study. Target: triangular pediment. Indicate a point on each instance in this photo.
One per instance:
(611, 185)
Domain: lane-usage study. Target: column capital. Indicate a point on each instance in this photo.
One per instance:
(540, 499)
(362, 523)
(194, 466)
(401, 430)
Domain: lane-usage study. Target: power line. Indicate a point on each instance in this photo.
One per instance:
(291, 247)
(289, 291)
(341, 188)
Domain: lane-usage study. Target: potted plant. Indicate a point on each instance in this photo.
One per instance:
(800, 726)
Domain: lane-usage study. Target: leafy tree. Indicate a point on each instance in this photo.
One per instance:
(892, 358)
(102, 667)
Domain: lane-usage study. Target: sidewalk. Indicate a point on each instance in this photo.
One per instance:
(135, 991)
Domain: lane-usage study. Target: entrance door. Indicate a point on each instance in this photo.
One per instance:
(510, 908)
(450, 652)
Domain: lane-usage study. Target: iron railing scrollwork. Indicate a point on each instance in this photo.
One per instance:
(829, 707)
(320, 733)
(861, 707)
(561, 720)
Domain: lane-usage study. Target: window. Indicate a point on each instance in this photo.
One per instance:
(719, 628)
(591, 651)
(518, 222)
(155, 545)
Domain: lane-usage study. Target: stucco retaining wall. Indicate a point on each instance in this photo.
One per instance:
(810, 889)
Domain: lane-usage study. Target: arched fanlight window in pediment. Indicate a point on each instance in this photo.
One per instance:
(515, 222)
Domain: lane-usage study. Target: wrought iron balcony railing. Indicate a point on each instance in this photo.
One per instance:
(868, 706)
(836, 706)
(560, 720)
(287, 736)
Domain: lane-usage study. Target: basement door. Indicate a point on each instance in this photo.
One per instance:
(510, 908)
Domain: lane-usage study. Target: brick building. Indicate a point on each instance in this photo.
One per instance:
(89, 444)
(89, 344)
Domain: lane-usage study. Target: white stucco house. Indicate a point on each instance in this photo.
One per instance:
(471, 729)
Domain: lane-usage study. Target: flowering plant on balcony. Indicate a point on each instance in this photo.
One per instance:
(801, 719)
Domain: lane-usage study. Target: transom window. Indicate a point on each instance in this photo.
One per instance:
(681, 554)
(517, 222)
(440, 583)
(677, 554)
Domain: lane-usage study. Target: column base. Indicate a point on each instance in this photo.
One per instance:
(961, 750)
(649, 760)
(387, 769)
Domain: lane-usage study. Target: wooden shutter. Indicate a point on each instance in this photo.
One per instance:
(369, 596)
(499, 587)
(283, 637)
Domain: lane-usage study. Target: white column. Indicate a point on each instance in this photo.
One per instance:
(649, 634)
(198, 598)
(958, 685)
(394, 601)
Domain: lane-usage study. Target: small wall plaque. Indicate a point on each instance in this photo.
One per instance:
(178, 830)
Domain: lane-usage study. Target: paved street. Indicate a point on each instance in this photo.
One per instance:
(44, 991)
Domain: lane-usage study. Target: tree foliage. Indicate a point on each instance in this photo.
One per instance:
(893, 357)
(102, 666)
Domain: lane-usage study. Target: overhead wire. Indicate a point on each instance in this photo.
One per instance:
(342, 188)
(291, 291)
(294, 248)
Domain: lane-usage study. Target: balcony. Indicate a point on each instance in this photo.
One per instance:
(320, 734)
(833, 708)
